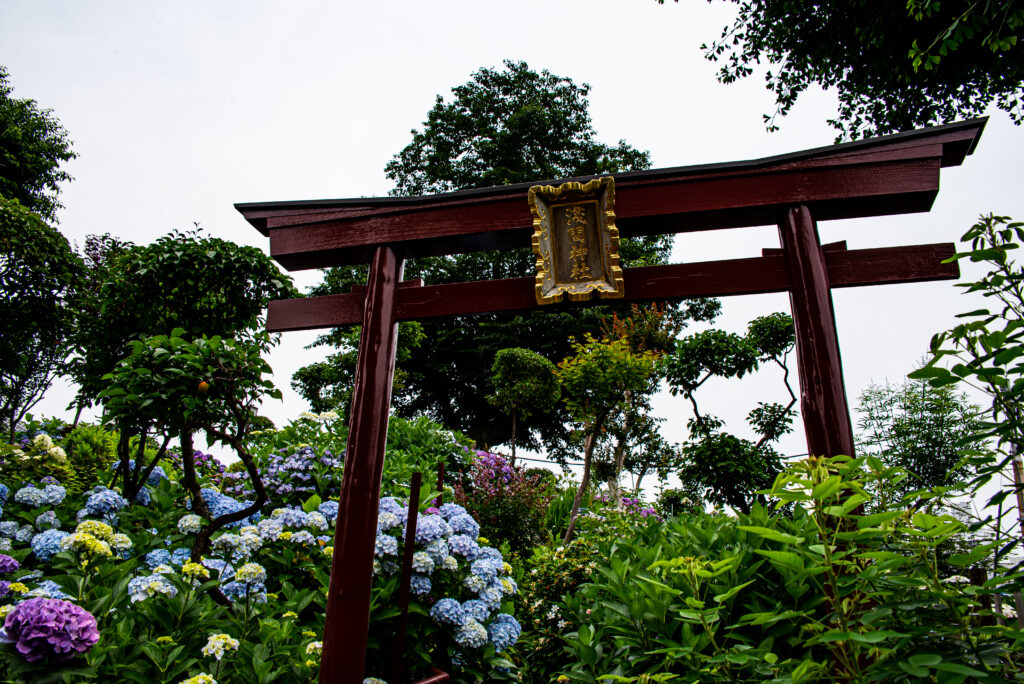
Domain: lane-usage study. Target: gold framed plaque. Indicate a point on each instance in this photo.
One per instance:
(576, 241)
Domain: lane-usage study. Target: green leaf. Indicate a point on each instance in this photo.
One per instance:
(770, 534)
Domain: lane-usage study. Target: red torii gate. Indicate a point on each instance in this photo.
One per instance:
(893, 174)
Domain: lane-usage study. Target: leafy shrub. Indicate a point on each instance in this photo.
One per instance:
(510, 506)
(828, 594)
(89, 448)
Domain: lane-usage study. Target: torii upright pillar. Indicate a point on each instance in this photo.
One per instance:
(823, 405)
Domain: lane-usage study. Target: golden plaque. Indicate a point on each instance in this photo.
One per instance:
(576, 241)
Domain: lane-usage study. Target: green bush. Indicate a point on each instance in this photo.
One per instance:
(828, 594)
(90, 449)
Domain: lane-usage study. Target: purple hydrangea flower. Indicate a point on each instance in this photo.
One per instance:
(8, 564)
(450, 510)
(50, 628)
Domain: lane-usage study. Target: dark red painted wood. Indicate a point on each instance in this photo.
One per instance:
(825, 412)
(440, 484)
(712, 278)
(397, 664)
(348, 595)
(641, 209)
(436, 678)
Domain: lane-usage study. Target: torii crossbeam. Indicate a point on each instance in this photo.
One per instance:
(894, 174)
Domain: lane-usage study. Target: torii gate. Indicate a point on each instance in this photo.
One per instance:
(893, 174)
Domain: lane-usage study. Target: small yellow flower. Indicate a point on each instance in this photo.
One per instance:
(18, 588)
(307, 633)
(329, 551)
(98, 529)
(165, 640)
(483, 541)
(284, 536)
(314, 648)
(195, 571)
(562, 678)
(271, 596)
(290, 614)
(312, 663)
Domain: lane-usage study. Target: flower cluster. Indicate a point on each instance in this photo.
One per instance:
(103, 502)
(50, 628)
(217, 644)
(49, 495)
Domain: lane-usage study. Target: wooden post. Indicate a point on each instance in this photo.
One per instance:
(405, 578)
(348, 596)
(822, 394)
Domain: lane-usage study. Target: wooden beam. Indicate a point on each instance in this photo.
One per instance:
(662, 205)
(756, 275)
(348, 596)
(823, 405)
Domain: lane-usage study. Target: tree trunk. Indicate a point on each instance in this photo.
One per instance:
(588, 453)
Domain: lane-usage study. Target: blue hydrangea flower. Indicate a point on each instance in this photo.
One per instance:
(476, 609)
(491, 595)
(53, 494)
(422, 562)
(8, 528)
(225, 570)
(4, 491)
(236, 591)
(471, 634)
(157, 557)
(437, 550)
(419, 585)
(46, 544)
(180, 555)
(387, 520)
(29, 496)
(47, 521)
(488, 552)
(448, 611)
(430, 527)
(475, 583)
(464, 524)
(48, 589)
(24, 533)
(390, 504)
(385, 545)
(317, 521)
(221, 504)
(143, 497)
(504, 632)
(329, 509)
(485, 568)
(450, 510)
(104, 501)
(290, 517)
(464, 546)
(303, 537)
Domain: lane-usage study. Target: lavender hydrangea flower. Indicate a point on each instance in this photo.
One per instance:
(303, 537)
(49, 589)
(329, 509)
(104, 501)
(290, 517)
(385, 545)
(50, 628)
(464, 524)
(47, 544)
(464, 546)
(419, 585)
(450, 510)
(8, 564)
(431, 527)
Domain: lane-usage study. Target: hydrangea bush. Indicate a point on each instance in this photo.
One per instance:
(90, 581)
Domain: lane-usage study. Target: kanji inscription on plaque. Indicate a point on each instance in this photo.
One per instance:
(576, 241)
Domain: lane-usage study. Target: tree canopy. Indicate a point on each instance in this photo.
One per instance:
(503, 126)
(894, 65)
(39, 276)
(33, 145)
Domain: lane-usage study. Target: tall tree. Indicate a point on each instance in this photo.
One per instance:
(33, 145)
(894, 65)
(39, 275)
(923, 429)
(503, 126)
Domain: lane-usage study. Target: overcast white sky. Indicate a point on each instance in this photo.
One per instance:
(180, 109)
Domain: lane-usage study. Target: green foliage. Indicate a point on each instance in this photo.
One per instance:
(202, 285)
(894, 66)
(39, 275)
(505, 127)
(717, 466)
(33, 145)
(985, 350)
(90, 449)
(524, 383)
(513, 125)
(828, 594)
(40, 458)
(925, 430)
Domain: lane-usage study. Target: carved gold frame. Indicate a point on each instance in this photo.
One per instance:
(607, 282)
